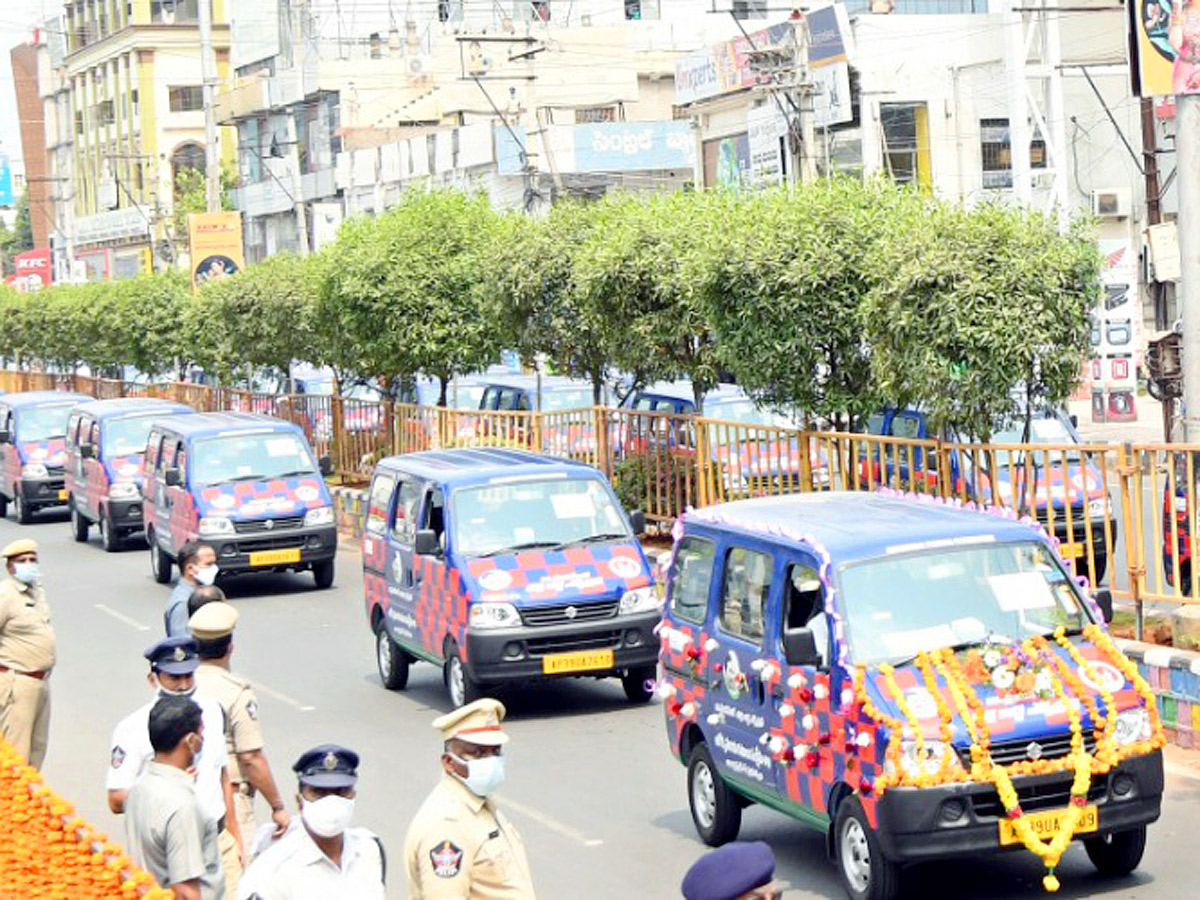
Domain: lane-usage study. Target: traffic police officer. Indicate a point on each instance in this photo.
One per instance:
(212, 625)
(27, 653)
(321, 856)
(460, 845)
(742, 870)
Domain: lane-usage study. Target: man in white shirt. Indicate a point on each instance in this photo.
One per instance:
(172, 664)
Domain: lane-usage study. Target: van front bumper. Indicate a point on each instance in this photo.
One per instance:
(126, 515)
(42, 492)
(512, 654)
(914, 825)
(300, 548)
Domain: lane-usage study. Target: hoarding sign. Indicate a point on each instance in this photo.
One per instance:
(1165, 43)
(34, 271)
(633, 146)
(216, 245)
(766, 129)
(726, 66)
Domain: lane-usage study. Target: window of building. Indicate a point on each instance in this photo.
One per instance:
(589, 115)
(996, 149)
(105, 112)
(749, 9)
(639, 10)
(531, 11)
(79, 122)
(174, 12)
(186, 98)
(906, 143)
(744, 592)
(450, 10)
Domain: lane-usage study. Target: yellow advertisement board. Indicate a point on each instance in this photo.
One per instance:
(1166, 43)
(216, 245)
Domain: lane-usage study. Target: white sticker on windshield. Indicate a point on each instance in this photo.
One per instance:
(280, 446)
(243, 470)
(572, 506)
(523, 534)
(908, 643)
(1020, 591)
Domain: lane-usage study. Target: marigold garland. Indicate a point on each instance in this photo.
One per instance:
(48, 852)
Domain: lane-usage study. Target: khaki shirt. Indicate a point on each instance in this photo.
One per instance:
(242, 731)
(460, 846)
(26, 635)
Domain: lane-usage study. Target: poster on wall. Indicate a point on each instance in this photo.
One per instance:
(727, 162)
(1165, 46)
(766, 129)
(216, 245)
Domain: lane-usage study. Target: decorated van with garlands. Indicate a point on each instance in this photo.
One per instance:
(916, 679)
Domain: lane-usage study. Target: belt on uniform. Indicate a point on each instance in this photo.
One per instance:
(38, 675)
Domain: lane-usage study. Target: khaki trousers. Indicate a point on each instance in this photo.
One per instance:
(231, 862)
(243, 806)
(25, 715)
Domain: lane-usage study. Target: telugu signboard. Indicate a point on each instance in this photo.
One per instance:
(1165, 46)
(216, 245)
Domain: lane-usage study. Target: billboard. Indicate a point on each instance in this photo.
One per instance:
(726, 67)
(1166, 47)
(216, 245)
(33, 270)
(6, 181)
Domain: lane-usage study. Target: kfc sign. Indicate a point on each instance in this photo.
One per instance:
(33, 270)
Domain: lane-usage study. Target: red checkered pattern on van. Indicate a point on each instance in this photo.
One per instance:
(442, 603)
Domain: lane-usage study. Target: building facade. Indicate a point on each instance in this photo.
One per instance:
(33, 144)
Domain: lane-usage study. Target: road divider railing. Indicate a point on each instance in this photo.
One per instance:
(49, 853)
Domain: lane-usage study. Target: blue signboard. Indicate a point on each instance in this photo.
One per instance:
(633, 146)
(6, 181)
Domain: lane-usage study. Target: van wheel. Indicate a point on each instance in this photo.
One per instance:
(1117, 854)
(716, 812)
(463, 689)
(21, 509)
(79, 525)
(110, 540)
(638, 683)
(323, 574)
(865, 872)
(160, 563)
(392, 661)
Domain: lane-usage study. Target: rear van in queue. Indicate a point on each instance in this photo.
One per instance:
(106, 440)
(500, 565)
(33, 450)
(247, 484)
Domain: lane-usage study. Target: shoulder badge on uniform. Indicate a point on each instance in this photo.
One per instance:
(118, 757)
(446, 859)
(252, 709)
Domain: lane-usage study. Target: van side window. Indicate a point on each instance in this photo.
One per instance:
(906, 425)
(152, 449)
(94, 434)
(744, 592)
(804, 606)
(377, 503)
(73, 429)
(404, 519)
(434, 515)
(690, 577)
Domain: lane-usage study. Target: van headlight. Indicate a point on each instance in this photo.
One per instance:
(493, 614)
(211, 526)
(34, 470)
(913, 762)
(643, 599)
(1133, 725)
(1097, 508)
(123, 490)
(322, 515)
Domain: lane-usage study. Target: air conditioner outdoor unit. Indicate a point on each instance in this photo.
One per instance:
(1111, 203)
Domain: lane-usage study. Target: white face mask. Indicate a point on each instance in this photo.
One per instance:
(26, 572)
(208, 574)
(160, 691)
(329, 816)
(484, 776)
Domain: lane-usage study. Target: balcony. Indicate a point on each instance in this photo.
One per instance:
(246, 97)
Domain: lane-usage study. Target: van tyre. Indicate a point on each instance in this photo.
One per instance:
(865, 872)
(393, 662)
(21, 509)
(716, 812)
(323, 574)
(79, 525)
(160, 563)
(110, 538)
(463, 689)
(638, 683)
(1117, 854)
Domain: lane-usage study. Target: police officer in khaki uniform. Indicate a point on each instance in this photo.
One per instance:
(460, 845)
(27, 653)
(212, 625)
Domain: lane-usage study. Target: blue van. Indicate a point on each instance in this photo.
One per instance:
(915, 680)
(247, 484)
(33, 450)
(106, 440)
(501, 565)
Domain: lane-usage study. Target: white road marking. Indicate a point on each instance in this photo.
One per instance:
(121, 617)
(549, 822)
(281, 697)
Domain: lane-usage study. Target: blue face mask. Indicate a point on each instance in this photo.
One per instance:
(484, 776)
(27, 572)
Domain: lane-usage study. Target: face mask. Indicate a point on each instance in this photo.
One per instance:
(329, 816)
(484, 776)
(207, 575)
(26, 572)
(162, 692)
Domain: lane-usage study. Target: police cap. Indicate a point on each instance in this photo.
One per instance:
(19, 546)
(213, 621)
(327, 766)
(475, 723)
(174, 656)
(730, 871)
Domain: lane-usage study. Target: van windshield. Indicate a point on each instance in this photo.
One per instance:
(499, 518)
(1044, 429)
(41, 423)
(127, 437)
(575, 398)
(898, 606)
(250, 457)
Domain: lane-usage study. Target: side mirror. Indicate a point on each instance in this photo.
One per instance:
(800, 647)
(637, 519)
(5, 437)
(1103, 598)
(325, 465)
(171, 477)
(87, 451)
(426, 543)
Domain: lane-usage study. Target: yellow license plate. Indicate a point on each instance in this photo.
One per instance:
(1045, 824)
(62, 495)
(579, 661)
(275, 557)
(1071, 551)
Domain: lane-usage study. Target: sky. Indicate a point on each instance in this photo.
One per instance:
(17, 19)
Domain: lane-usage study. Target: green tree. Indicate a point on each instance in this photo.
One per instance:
(154, 312)
(191, 195)
(18, 239)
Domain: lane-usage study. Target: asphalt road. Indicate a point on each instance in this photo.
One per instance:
(600, 802)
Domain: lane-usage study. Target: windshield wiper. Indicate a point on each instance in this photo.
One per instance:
(595, 538)
(245, 478)
(294, 473)
(528, 545)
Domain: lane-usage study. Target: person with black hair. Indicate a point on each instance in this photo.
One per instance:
(197, 567)
(206, 593)
(167, 831)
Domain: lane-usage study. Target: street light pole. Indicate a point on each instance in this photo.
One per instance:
(1187, 148)
(208, 75)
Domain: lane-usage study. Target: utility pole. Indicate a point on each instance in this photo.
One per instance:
(1187, 148)
(808, 156)
(208, 75)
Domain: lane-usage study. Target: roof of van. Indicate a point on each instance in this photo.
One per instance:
(200, 424)
(856, 524)
(682, 390)
(481, 464)
(122, 406)
(529, 382)
(38, 398)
